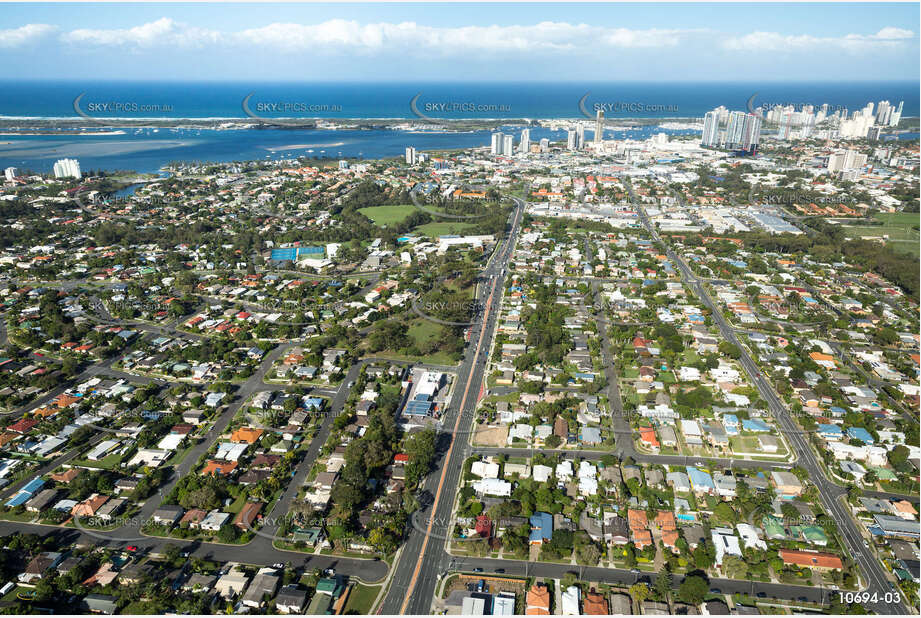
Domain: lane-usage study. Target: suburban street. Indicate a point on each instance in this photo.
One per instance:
(872, 574)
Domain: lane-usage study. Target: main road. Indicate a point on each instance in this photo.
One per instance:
(423, 557)
(877, 584)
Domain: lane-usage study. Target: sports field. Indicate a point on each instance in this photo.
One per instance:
(900, 227)
(387, 215)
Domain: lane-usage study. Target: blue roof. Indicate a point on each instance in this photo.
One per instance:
(33, 485)
(730, 419)
(313, 402)
(859, 433)
(829, 429)
(541, 526)
(292, 253)
(21, 498)
(699, 478)
(418, 408)
(24, 494)
(755, 425)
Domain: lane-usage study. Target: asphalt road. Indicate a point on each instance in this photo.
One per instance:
(423, 558)
(877, 584)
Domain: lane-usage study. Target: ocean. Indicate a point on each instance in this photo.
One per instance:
(147, 150)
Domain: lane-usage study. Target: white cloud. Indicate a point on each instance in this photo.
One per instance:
(14, 37)
(338, 35)
(774, 41)
(161, 33)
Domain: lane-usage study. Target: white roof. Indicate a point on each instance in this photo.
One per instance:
(229, 451)
(570, 604)
(485, 470)
(170, 442)
(542, 473)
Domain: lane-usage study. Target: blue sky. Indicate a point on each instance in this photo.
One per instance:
(560, 42)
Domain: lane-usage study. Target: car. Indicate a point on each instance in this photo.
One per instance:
(866, 544)
(500, 570)
(132, 548)
(278, 565)
(761, 595)
(477, 570)
(715, 591)
(802, 599)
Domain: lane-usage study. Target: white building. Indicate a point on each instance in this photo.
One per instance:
(67, 168)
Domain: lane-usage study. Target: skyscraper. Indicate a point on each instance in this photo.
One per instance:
(508, 145)
(545, 145)
(580, 136)
(711, 133)
(525, 145)
(410, 155)
(734, 130)
(751, 133)
(895, 116)
(883, 112)
(10, 173)
(599, 126)
(67, 168)
(571, 138)
(496, 144)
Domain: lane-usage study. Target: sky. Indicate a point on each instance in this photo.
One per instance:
(461, 42)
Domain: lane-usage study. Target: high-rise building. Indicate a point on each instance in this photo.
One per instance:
(883, 112)
(845, 160)
(545, 145)
(410, 155)
(896, 116)
(525, 144)
(67, 168)
(751, 133)
(711, 133)
(734, 130)
(508, 145)
(571, 138)
(580, 136)
(873, 133)
(10, 173)
(599, 126)
(496, 144)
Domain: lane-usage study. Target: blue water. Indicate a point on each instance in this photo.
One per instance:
(148, 151)
(392, 100)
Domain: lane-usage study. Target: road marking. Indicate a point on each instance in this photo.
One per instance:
(444, 469)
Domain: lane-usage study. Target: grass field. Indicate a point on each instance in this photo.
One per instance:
(901, 228)
(360, 599)
(387, 215)
(442, 228)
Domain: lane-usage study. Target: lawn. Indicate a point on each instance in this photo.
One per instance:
(443, 228)
(387, 215)
(360, 599)
(900, 227)
(108, 462)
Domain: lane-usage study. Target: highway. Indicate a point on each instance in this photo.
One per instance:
(423, 558)
(873, 575)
